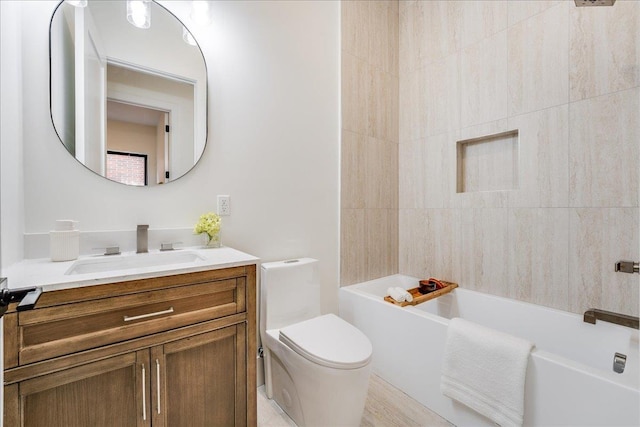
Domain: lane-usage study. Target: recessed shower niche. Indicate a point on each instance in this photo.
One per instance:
(488, 163)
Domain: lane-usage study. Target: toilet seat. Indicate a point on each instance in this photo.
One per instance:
(328, 341)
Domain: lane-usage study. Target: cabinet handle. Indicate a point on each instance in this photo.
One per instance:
(144, 395)
(158, 381)
(144, 316)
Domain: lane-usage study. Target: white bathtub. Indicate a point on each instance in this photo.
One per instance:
(570, 380)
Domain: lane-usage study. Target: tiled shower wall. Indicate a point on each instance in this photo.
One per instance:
(567, 79)
(369, 175)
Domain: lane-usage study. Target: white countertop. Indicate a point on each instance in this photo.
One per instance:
(51, 275)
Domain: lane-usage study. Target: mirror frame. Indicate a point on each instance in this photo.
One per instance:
(206, 106)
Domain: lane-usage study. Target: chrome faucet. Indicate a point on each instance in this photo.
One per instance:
(142, 239)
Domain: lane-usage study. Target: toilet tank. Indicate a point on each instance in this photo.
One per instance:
(289, 292)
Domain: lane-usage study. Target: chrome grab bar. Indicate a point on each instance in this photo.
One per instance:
(593, 314)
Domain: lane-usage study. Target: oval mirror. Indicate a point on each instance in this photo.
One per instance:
(129, 103)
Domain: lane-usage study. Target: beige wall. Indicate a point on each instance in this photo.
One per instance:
(567, 79)
(134, 138)
(369, 177)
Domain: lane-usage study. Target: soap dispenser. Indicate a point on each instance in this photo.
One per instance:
(64, 241)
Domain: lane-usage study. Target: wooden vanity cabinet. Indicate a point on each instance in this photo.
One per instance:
(161, 369)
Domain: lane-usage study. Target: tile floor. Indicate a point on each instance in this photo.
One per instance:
(386, 406)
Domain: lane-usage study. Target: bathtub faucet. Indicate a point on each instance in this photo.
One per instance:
(593, 314)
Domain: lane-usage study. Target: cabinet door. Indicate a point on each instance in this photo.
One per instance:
(106, 393)
(201, 380)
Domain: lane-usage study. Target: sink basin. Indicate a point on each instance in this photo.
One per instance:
(124, 262)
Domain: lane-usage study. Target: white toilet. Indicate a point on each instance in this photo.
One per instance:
(316, 367)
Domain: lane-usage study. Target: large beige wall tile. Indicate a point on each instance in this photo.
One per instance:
(427, 243)
(598, 239)
(353, 170)
(538, 242)
(394, 128)
(427, 172)
(355, 94)
(480, 199)
(604, 49)
(440, 172)
(604, 150)
(441, 23)
(382, 108)
(353, 255)
(544, 158)
(394, 5)
(440, 84)
(370, 134)
(410, 38)
(523, 9)
(483, 81)
(412, 106)
(412, 235)
(381, 246)
(394, 38)
(355, 27)
(412, 172)
(403, 4)
(440, 244)
(381, 174)
(537, 61)
(393, 218)
(383, 40)
(482, 19)
(483, 250)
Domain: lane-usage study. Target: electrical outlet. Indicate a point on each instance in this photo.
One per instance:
(224, 205)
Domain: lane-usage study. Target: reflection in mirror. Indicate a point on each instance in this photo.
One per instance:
(128, 103)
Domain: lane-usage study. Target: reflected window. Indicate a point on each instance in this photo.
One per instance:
(127, 168)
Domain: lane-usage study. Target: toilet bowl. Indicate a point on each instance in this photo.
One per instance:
(317, 367)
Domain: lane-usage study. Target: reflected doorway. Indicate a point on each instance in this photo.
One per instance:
(135, 132)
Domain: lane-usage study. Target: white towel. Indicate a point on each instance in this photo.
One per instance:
(399, 294)
(407, 295)
(396, 294)
(485, 370)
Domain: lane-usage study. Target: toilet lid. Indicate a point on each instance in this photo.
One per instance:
(328, 341)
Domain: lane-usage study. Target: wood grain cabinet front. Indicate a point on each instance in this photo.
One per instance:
(166, 356)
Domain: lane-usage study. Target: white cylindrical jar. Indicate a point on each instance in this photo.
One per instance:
(64, 241)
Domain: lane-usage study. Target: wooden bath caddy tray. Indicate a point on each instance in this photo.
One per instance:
(419, 298)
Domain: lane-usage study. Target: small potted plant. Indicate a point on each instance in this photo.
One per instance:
(209, 224)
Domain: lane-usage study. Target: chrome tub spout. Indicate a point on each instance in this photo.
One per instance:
(593, 314)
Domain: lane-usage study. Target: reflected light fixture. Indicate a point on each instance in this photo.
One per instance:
(187, 37)
(139, 13)
(201, 12)
(77, 3)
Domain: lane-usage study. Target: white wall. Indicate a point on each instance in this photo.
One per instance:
(11, 136)
(273, 143)
(11, 199)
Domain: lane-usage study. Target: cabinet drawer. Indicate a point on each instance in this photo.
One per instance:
(69, 328)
